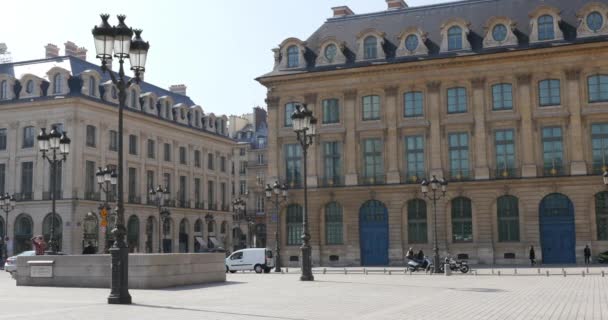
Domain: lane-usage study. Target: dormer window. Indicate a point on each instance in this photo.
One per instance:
(545, 28)
(411, 42)
(57, 81)
(4, 90)
(454, 38)
(133, 99)
(167, 110)
(330, 52)
(151, 102)
(182, 114)
(29, 86)
(499, 32)
(92, 86)
(293, 57)
(370, 48)
(595, 21)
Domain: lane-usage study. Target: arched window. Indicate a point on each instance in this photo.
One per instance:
(294, 224)
(598, 88)
(183, 235)
(198, 226)
(293, 57)
(46, 230)
(416, 221)
(133, 99)
(92, 86)
(601, 215)
(211, 226)
(333, 223)
(29, 86)
(57, 83)
(508, 218)
(23, 233)
(455, 38)
(462, 221)
(133, 233)
(150, 226)
(370, 48)
(4, 90)
(545, 28)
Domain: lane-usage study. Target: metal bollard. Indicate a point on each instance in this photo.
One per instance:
(602, 273)
(286, 270)
(538, 270)
(475, 272)
(492, 270)
(345, 272)
(587, 270)
(410, 272)
(384, 270)
(282, 272)
(515, 272)
(389, 272)
(583, 273)
(564, 271)
(499, 273)
(405, 271)
(324, 270)
(547, 273)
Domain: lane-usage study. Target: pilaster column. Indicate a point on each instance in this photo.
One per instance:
(12, 162)
(74, 164)
(313, 150)
(575, 132)
(434, 154)
(40, 176)
(350, 147)
(526, 105)
(482, 171)
(391, 148)
(191, 176)
(272, 103)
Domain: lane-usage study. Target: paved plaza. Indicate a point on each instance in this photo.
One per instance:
(334, 295)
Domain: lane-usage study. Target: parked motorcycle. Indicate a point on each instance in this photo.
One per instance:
(415, 264)
(455, 265)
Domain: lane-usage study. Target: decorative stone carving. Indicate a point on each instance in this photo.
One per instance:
(573, 74)
(524, 78)
(413, 47)
(494, 32)
(391, 90)
(350, 94)
(478, 83)
(272, 101)
(541, 11)
(310, 98)
(583, 29)
(433, 86)
(331, 52)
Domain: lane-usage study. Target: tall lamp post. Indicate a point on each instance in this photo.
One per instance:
(238, 206)
(279, 191)
(106, 179)
(161, 196)
(7, 203)
(424, 185)
(305, 127)
(116, 42)
(54, 142)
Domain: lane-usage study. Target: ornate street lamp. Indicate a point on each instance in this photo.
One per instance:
(116, 42)
(106, 179)
(279, 193)
(424, 185)
(161, 195)
(7, 203)
(305, 127)
(58, 144)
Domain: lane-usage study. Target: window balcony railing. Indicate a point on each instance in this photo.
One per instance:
(24, 196)
(599, 167)
(183, 203)
(212, 206)
(460, 175)
(134, 199)
(373, 179)
(294, 183)
(91, 195)
(506, 173)
(413, 177)
(48, 196)
(334, 181)
(199, 205)
(554, 170)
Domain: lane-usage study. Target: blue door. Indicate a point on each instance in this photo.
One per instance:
(373, 233)
(557, 237)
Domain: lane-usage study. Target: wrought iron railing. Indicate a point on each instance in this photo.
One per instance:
(334, 181)
(373, 179)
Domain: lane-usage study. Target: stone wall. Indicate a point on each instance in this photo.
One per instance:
(146, 271)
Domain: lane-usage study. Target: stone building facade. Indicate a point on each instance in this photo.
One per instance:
(508, 100)
(168, 141)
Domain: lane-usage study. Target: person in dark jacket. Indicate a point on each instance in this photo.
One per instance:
(410, 254)
(89, 249)
(587, 252)
(420, 255)
(532, 256)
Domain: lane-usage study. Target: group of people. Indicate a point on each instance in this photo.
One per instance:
(586, 254)
(416, 257)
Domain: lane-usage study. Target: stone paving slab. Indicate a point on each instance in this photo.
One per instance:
(331, 296)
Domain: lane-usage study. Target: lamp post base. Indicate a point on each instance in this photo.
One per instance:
(306, 264)
(120, 273)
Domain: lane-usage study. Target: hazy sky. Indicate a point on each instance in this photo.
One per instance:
(215, 47)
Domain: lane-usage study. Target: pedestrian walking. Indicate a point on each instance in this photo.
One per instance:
(587, 252)
(532, 256)
(39, 245)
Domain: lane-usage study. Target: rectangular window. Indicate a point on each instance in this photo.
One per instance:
(243, 167)
(151, 149)
(553, 153)
(197, 192)
(210, 161)
(373, 165)
(259, 203)
(599, 146)
(211, 194)
(197, 158)
(28, 137)
(293, 163)
(242, 151)
(2, 138)
(132, 185)
(331, 111)
(261, 158)
(223, 195)
(27, 180)
(504, 144)
(332, 161)
(223, 164)
(89, 182)
(242, 187)
(549, 93)
(414, 155)
(150, 179)
(182, 155)
(167, 151)
(502, 96)
(459, 155)
(91, 137)
(183, 190)
(167, 181)
(412, 104)
(598, 88)
(132, 144)
(113, 140)
(289, 108)
(457, 100)
(2, 178)
(371, 108)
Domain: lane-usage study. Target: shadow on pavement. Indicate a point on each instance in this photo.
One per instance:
(202, 286)
(484, 290)
(214, 311)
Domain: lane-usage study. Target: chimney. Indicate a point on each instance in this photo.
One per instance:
(178, 88)
(395, 4)
(71, 49)
(342, 11)
(52, 51)
(81, 53)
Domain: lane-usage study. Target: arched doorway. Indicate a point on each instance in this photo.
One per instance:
(199, 242)
(23, 233)
(168, 235)
(373, 233)
(557, 238)
(133, 234)
(58, 234)
(150, 227)
(183, 235)
(91, 231)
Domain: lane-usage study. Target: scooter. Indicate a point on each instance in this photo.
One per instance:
(416, 265)
(455, 265)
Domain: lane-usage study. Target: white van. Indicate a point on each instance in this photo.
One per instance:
(256, 259)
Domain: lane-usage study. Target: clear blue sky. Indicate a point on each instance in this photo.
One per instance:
(216, 47)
